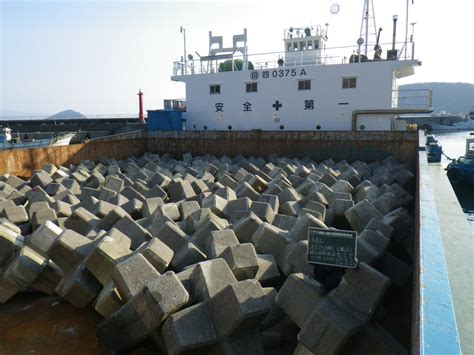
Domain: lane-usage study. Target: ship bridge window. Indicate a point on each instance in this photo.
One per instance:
(316, 44)
(214, 89)
(349, 83)
(302, 46)
(304, 84)
(251, 87)
(310, 45)
(295, 46)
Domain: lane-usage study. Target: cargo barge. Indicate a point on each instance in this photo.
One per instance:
(434, 312)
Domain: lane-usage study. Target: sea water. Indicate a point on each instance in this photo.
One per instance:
(454, 146)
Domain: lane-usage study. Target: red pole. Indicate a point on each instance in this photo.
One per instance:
(141, 117)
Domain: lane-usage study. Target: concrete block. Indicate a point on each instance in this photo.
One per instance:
(107, 222)
(81, 221)
(43, 216)
(10, 242)
(15, 182)
(226, 193)
(289, 208)
(361, 301)
(385, 203)
(228, 181)
(288, 194)
(361, 213)
(216, 204)
(298, 296)
(210, 277)
(48, 279)
(54, 188)
(7, 290)
(15, 214)
(283, 221)
(70, 249)
(300, 228)
(150, 205)
(143, 314)
(17, 197)
(242, 260)
(340, 206)
(108, 300)
(68, 197)
(186, 208)
(267, 269)
(378, 226)
(218, 241)
(269, 239)
(158, 254)
(342, 186)
(199, 186)
(114, 183)
(246, 227)
(170, 234)
(246, 343)
(129, 192)
(294, 258)
(72, 185)
(44, 237)
(204, 228)
(36, 206)
(328, 328)
(156, 191)
(180, 190)
(134, 208)
(133, 230)
(40, 178)
(102, 260)
(263, 210)
(79, 287)
(238, 307)
(63, 209)
(240, 204)
(245, 190)
(132, 275)
(24, 268)
(189, 330)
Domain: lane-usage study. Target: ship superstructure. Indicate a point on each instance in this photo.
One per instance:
(308, 86)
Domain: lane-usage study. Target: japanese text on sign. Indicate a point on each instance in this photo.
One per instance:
(332, 247)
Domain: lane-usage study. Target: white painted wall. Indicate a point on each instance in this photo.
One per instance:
(374, 91)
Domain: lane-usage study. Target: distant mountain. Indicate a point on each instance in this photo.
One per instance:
(67, 114)
(454, 98)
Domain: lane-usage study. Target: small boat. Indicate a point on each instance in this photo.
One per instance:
(8, 142)
(461, 171)
(433, 149)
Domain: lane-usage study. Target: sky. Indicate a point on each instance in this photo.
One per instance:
(93, 56)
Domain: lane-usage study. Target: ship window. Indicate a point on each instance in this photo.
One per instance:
(251, 87)
(349, 83)
(214, 89)
(295, 46)
(304, 84)
(302, 46)
(310, 45)
(316, 44)
(289, 47)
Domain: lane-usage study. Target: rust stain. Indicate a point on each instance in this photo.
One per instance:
(47, 325)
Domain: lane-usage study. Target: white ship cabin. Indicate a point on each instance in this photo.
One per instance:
(308, 86)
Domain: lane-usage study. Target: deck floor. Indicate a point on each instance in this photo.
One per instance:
(458, 241)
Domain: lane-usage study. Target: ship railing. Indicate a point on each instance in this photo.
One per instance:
(273, 60)
(7, 118)
(412, 98)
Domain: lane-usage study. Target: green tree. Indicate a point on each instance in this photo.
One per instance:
(227, 65)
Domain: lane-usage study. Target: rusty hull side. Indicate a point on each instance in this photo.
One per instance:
(22, 162)
(366, 146)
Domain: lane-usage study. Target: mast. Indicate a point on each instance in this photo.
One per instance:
(368, 13)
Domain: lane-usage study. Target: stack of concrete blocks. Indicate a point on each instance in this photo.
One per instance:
(204, 239)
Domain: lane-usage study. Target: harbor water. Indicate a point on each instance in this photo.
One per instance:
(454, 146)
